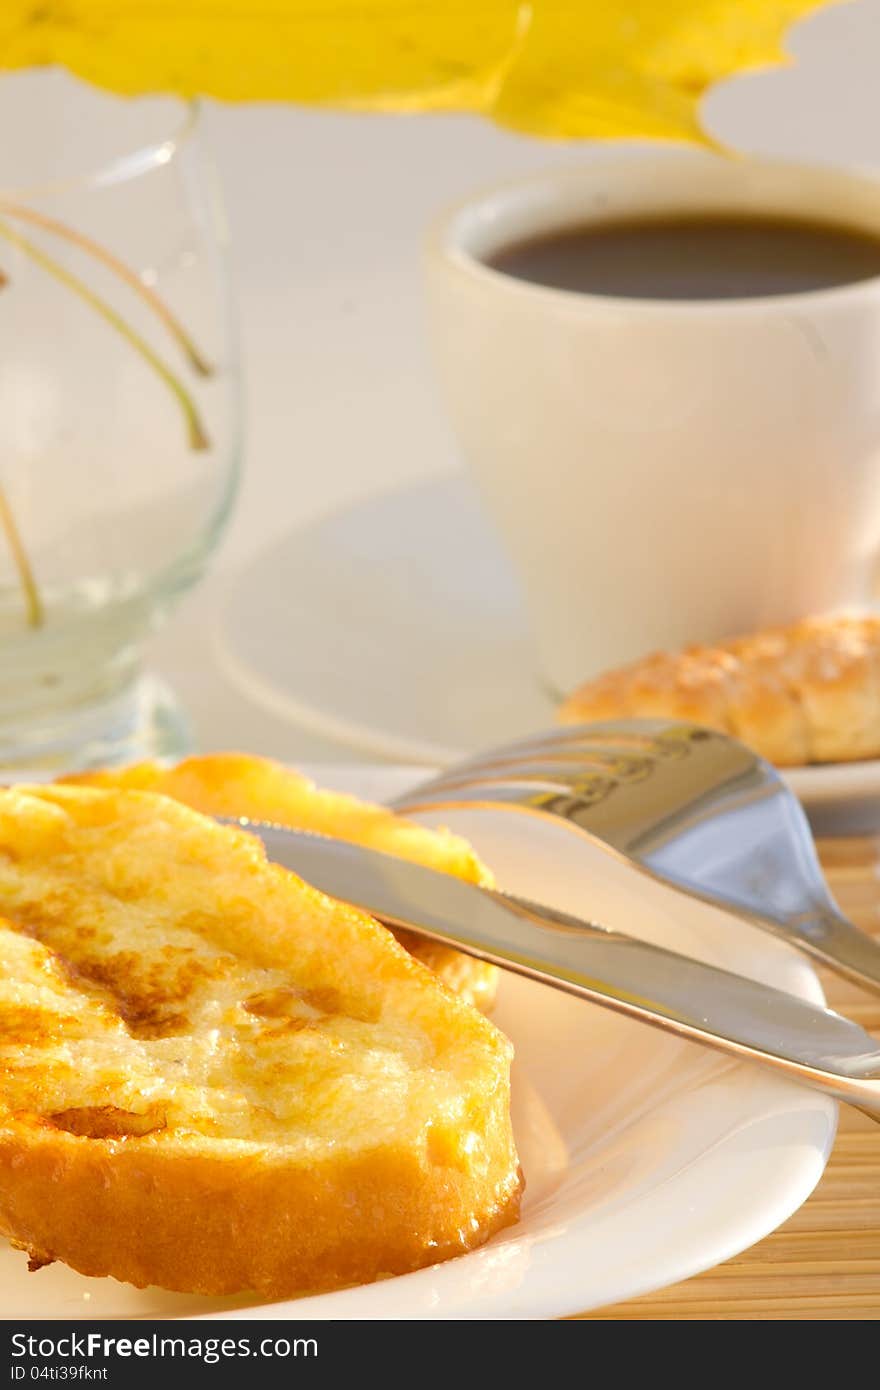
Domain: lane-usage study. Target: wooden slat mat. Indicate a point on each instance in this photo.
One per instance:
(825, 1261)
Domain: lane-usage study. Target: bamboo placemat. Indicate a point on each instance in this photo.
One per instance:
(825, 1261)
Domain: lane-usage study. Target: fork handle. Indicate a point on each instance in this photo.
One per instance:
(825, 934)
(830, 938)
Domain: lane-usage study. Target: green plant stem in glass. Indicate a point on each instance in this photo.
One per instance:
(196, 433)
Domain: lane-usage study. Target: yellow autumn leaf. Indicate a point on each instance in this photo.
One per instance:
(552, 67)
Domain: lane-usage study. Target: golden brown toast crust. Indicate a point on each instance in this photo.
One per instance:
(212, 1077)
(808, 693)
(240, 784)
(196, 1225)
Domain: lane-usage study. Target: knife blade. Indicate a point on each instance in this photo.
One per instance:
(674, 992)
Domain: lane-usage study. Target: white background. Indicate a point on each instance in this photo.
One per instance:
(326, 215)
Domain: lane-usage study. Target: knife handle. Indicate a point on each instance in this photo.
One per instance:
(687, 998)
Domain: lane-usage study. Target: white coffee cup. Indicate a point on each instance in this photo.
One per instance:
(664, 472)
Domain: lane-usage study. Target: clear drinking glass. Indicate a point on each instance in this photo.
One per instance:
(119, 420)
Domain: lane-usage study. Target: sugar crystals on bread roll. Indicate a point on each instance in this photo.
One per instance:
(807, 693)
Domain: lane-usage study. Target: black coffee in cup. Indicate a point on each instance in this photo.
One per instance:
(695, 257)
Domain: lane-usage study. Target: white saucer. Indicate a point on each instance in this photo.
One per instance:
(396, 627)
(834, 782)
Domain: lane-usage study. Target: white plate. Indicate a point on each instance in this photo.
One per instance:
(396, 627)
(646, 1159)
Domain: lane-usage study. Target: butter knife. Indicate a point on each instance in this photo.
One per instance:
(683, 996)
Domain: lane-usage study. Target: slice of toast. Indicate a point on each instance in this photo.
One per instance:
(214, 1078)
(238, 784)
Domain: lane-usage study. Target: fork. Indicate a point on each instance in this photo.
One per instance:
(688, 805)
